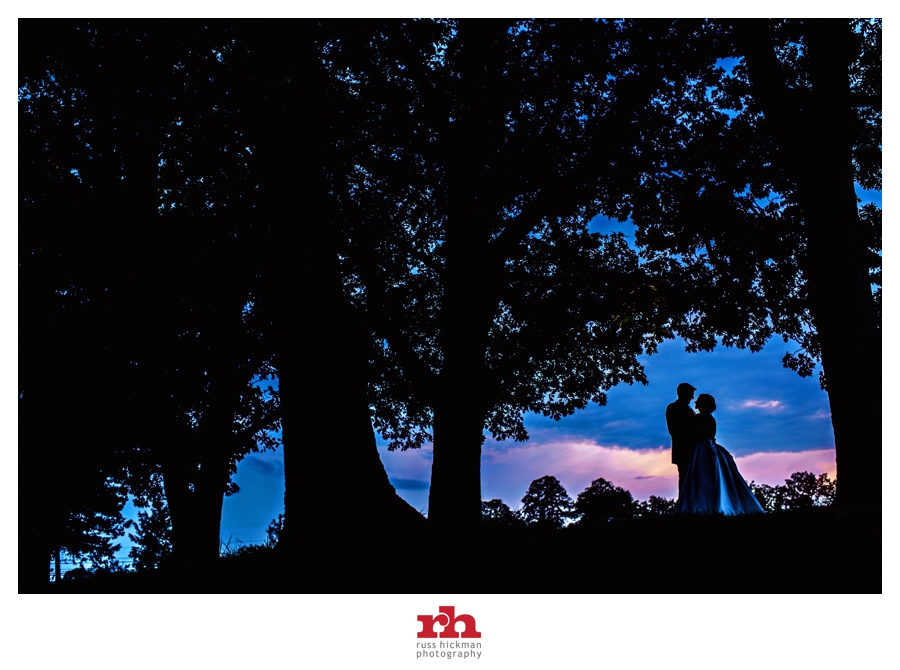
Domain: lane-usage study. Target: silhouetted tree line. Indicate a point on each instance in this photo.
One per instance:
(547, 506)
(802, 490)
(233, 234)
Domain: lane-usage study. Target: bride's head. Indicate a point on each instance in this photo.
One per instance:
(705, 403)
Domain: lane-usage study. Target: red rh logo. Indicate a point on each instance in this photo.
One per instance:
(448, 620)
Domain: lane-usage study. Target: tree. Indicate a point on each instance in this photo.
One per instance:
(656, 506)
(843, 94)
(485, 293)
(603, 501)
(802, 490)
(152, 538)
(273, 531)
(183, 345)
(741, 196)
(304, 154)
(497, 515)
(546, 504)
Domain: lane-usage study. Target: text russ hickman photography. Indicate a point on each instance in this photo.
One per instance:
(450, 642)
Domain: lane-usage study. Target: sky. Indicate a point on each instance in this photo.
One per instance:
(774, 422)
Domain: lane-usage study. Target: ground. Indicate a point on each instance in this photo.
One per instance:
(808, 551)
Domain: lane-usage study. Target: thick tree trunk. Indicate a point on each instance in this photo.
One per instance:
(816, 141)
(333, 473)
(836, 266)
(182, 511)
(454, 502)
(196, 516)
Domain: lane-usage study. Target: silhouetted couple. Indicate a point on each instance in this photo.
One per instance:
(708, 478)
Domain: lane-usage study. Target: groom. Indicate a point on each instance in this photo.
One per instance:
(679, 421)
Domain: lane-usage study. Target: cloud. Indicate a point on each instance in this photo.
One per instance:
(762, 404)
(821, 415)
(410, 484)
(264, 467)
(576, 463)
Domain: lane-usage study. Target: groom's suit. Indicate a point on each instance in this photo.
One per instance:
(680, 422)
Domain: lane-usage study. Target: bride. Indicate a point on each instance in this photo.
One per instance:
(712, 483)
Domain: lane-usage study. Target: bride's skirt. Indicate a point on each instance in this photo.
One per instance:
(714, 485)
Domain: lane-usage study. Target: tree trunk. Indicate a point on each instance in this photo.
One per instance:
(817, 143)
(454, 501)
(333, 473)
(841, 300)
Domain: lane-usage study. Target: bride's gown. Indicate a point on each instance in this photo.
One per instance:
(714, 485)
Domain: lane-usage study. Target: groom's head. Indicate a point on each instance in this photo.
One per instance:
(685, 392)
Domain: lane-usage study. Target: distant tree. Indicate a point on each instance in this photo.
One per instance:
(603, 501)
(273, 531)
(766, 495)
(152, 537)
(802, 490)
(826, 490)
(546, 504)
(656, 506)
(93, 569)
(496, 514)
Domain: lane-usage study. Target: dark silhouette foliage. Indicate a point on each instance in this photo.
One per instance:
(802, 490)
(497, 516)
(546, 505)
(152, 538)
(603, 501)
(656, 506)
(273, 531)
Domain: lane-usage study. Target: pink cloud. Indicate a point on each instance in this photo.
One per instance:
(507, 473)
